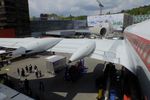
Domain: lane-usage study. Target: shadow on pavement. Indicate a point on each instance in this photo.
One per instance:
(51, 88)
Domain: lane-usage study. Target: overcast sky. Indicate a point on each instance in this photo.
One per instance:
(81, 7)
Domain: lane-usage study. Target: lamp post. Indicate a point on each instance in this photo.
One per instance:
(100, 6)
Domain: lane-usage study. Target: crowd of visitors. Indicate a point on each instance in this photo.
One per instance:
(27, 70)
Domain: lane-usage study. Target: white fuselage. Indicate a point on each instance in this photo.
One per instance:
(138, 42)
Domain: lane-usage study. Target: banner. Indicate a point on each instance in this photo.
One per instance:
(116, 20)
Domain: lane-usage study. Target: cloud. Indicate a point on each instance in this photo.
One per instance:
(80, 7)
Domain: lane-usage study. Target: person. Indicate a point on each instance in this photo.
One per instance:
(8, 62)
(36, 74)
(35, 68)
(30, 68)
(107, 70)
(82, 61)
(73, 72)
(40, 73)
(41, 86)
(22, 73)
(18, 71)
(99, 82)
(27, 70)
(126, 97)
(100, 94)
(2, 64)
(67, 77)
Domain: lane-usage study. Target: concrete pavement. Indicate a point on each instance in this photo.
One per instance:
(55, 88)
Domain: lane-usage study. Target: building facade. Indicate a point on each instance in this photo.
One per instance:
(14, 18)
(44, 26)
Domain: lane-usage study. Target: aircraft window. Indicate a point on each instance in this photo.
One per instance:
(142, 49)
(139, 46)
(135, 43)
(148, 59)
(144, 55)
(146, 49)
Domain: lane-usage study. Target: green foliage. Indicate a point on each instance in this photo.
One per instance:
(74, 18)
(138, 11)
(70, 17)
(52, 15)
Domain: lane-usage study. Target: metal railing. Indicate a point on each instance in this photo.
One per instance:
(109, 56)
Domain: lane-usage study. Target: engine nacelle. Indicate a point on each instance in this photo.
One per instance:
(84, 51)
(34, 46)
(102, 29)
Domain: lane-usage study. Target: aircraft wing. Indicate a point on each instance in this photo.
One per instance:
(108, 50)
(14, 43)
(69, 45)
(104, 50)
(114, 51)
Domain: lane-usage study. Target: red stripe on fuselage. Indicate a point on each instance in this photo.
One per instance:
(141, 46)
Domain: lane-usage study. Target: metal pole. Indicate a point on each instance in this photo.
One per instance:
(101, 10)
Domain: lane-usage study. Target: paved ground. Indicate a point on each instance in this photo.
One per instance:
(55, 88)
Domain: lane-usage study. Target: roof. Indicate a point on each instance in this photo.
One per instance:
(67, 32)
(54, 58)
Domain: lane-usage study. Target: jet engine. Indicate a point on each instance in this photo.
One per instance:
(102, 29)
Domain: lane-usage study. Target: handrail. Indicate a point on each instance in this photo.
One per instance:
(109, 56)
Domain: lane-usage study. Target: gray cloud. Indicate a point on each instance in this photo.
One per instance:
(80, 7)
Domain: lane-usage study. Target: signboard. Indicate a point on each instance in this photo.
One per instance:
(116, 20)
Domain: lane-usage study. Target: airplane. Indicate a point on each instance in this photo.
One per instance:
(16, 47)
(102, 29)
(133, 52)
